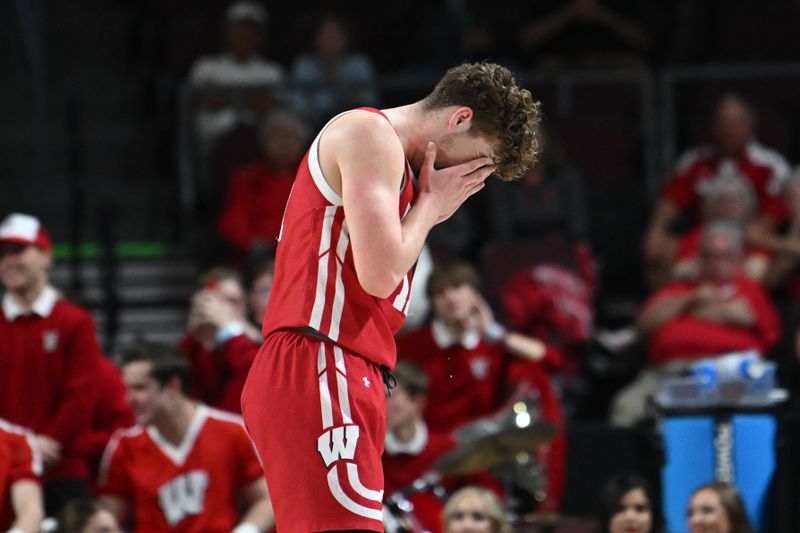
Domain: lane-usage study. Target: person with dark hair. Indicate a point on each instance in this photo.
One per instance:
(411, 448)
(185, 466)
(87, 516)
(110, 411)
(627, 506)
(352, 231)
(476, 367)
(332, 77)
(465, 352)
(717, 507)
(221, 81)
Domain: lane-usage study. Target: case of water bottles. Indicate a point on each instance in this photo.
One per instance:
(737, 379)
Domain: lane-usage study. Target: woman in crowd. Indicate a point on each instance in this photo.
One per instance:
(717, 508)
(474, 510)
(87, 516)
(626, 506)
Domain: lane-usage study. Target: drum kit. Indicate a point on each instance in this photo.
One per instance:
(505, 445)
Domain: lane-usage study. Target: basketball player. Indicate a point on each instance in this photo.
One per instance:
(366, 195)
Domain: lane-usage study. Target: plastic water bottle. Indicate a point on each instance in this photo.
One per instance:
(748, 368)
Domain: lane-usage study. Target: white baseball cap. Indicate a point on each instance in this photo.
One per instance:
(19, 228)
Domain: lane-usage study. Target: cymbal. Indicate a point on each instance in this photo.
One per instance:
(493, 446)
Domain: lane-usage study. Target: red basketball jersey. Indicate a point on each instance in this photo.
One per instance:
(315, 277)
(192, 487)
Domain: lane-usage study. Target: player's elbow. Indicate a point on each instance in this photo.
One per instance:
(379, 285)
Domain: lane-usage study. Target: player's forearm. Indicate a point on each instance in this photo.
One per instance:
(382, 264)
(26, 499)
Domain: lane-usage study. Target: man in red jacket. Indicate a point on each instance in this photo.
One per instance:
(49, 357)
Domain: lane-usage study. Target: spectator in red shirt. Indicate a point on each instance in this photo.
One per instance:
(734, 149)
(220, 344)
(49, 356)
(257, 192)
(21, 506)
(475, 366)
(185, 467)
(720, 311)
(411, 448)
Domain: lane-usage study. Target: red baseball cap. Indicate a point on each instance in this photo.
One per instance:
(19, 228)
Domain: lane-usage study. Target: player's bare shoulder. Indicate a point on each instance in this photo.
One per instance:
(360, 143)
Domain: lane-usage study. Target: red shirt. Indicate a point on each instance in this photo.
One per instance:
(403, 464)
(315, 281)
(192, 487)
(18, 461)
(48, 361)
(254, 205)
(466, 375)
(689, 337)
(766, 169)
(468, 378)
(218, 375)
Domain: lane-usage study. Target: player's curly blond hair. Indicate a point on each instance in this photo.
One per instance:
(501, 109)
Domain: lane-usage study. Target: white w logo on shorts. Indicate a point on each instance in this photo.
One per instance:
(338, 443)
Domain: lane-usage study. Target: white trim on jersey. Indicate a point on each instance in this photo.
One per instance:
(111, 447)
(401, 300)
(322, 269)
(37, 465)
(776, 163)
(178, 454)
(338, 295)
(691, 156)
(316, 171)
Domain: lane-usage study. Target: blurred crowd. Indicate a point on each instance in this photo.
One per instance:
(503, 309)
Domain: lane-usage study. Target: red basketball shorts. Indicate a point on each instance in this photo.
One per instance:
(317, 416)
